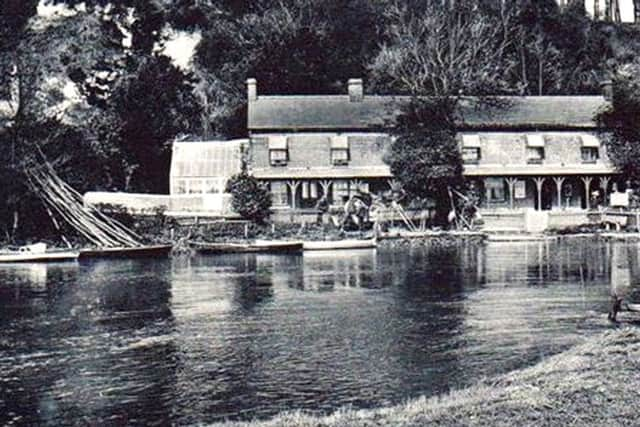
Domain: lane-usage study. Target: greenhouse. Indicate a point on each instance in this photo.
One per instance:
(199, 174)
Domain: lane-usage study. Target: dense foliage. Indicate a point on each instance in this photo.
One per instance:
(622, 121)
(424, 156)
(99, 71)
(249, 197)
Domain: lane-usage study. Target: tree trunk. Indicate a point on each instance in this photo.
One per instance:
(636, 11)
(596, 9)
(540, 72)
(607, 10)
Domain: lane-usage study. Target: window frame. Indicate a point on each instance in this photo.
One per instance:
(278, 162)
(535, 160)
(471, 161)
(584, 150)
(279, 194)
(340, 161)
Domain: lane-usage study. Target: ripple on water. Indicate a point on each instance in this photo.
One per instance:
(244, 336)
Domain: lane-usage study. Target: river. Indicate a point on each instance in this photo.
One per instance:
(196, 340)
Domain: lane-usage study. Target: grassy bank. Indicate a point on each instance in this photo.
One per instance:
(596, 383)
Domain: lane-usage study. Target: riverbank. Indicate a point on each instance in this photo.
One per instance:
(595, 383)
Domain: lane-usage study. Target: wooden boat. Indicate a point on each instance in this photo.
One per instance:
(633, 307)
(329, 245)
(259, 246)
(123, 252)
(36, 253)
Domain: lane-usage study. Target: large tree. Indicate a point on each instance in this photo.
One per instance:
(622, 122)
(292, 46)
(424, 156)
(152, 105)
(443, 52)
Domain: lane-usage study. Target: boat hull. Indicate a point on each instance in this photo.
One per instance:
(141, 252)
(332, 245)
(258, 247)
(25, 257)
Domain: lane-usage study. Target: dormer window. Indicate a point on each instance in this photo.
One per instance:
(535, 149)
(471, 149)
(590, 150)
(278, 151)
(340, 150)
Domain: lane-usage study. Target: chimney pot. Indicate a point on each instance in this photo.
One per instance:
(252, 89)
(356, 90)
(606, 87)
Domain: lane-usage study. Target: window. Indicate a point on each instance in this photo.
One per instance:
(590, 154)
(470, 155)
(195, 186)
(278, 157)
(180, 186)
(339, 150)
(495, 189)
(278, 150)
(340, 156)
(279, 196)
(535, 155)
(340, 191)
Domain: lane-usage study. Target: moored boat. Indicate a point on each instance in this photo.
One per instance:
(327, 245)
(258, 246)
(37, 253)
(633, 307)
(125, 252)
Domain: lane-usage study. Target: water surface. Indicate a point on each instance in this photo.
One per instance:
(242, 336)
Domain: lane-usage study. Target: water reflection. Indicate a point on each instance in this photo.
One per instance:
(193, 340)
(91, 351)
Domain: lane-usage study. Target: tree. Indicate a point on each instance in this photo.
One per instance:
(622, 122)
(424, 155)
(249, 197)
(443, 53)
(152, 105)
(291, 46)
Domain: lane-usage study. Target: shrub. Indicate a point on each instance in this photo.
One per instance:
(249, 197)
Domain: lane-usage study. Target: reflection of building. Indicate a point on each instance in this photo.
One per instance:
(538, 153)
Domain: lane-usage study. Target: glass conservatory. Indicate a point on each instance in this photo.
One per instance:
(199, 173)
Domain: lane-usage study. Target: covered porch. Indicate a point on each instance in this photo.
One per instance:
(544, 192)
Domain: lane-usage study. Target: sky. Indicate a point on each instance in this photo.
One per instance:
(626, 9)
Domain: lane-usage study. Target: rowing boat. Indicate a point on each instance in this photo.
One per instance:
(259, 246)
(328, 245)
(633, 307)
(36, 253)
(124, 252)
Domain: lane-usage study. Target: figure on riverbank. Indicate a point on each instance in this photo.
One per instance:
(322, 206)
(616, 306)
(356, 210)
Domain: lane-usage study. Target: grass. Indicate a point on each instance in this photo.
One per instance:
(594, 384)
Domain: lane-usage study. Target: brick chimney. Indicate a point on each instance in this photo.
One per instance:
(356, 90)
(606, 87)
(252, 89)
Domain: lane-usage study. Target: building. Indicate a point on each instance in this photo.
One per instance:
(197, 180)
(538, 154)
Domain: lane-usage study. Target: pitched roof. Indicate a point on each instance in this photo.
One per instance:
(329, 112)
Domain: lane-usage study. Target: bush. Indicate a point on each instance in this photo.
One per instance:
(249, 197)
